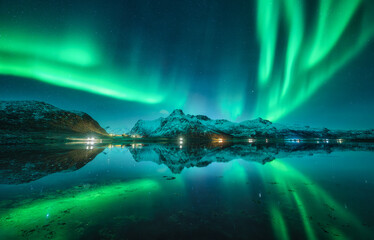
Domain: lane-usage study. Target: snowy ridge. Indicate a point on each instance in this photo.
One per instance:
(175, 124)
(35, 116)
(178, 123)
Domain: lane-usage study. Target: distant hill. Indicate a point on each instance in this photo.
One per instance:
(180, 124)
(26, 117)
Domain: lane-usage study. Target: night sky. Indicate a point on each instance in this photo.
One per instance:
(289, 61)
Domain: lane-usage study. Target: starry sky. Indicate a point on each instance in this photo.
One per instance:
(289, 61)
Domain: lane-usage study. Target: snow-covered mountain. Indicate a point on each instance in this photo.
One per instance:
(177, 123)
(180, 124)
(35, 116)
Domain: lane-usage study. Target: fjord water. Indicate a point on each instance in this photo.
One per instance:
(167, 191)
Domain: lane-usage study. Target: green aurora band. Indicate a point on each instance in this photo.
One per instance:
(232, 90)
(314, 50)
(74, 60)
(301, 47)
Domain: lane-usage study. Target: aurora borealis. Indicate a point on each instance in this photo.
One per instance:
(290, 61)
(305, 64)
(314, 50)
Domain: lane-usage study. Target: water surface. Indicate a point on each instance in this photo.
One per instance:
(167, 191)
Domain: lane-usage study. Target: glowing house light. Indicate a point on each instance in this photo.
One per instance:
(90, 141)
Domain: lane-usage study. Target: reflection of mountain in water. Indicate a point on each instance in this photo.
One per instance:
(22, 165)
(25, 164)
(177, 158)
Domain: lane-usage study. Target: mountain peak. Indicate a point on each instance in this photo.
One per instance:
(261, 120)
(177, 112)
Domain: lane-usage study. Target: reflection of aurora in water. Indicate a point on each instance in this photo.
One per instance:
(238, 196)
(295, 189)
(319, 215)
(58, 215)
